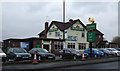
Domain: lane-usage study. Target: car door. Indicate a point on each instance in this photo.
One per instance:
(11, 54)
(68, 54)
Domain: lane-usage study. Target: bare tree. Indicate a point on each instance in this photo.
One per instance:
(116, 40)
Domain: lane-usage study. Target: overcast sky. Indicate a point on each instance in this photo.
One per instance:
(20, 19)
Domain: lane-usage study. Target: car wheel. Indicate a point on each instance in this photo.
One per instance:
(74, 57)
(95, 56)
(61, 56)
(116, 54)
(14, 59)
(106, 55)
(3, 60)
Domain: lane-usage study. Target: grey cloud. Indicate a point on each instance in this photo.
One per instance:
(91, 7)
(27, 19)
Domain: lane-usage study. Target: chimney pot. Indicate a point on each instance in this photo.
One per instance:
(46, 25)
(70, 20)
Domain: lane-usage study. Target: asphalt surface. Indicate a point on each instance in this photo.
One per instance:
(108, 65)
(41, 66)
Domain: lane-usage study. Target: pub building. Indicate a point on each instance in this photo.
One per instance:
(56, 36)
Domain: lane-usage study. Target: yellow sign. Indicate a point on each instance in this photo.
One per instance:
(91, 20)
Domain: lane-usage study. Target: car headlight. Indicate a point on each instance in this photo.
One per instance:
(78, 54)
(18, 55)
(97, 52)
(30, 55)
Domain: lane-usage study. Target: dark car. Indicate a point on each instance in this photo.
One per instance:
(70, 53)
(42, 54)
(18, 54)
(106, 52)
(95, 52)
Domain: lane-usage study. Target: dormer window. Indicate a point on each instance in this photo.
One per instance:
(57, 34)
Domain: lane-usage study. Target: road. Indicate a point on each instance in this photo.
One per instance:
(110, 65)
(67, 65)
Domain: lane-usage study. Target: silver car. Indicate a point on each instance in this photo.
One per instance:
(116, 52)
(3, 56)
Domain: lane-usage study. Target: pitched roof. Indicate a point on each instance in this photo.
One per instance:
(98, 32)
(62, 26)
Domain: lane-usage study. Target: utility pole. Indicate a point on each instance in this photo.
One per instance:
(64, 45)
(63, 10)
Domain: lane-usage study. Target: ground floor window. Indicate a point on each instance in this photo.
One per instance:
(82, 46)
(58, 45)
(71, 45)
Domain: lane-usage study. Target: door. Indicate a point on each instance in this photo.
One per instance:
(46, 47)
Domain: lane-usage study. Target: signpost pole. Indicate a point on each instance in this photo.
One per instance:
(90, 49)
(91, 36)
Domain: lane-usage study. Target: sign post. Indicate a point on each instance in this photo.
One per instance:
(91, 36)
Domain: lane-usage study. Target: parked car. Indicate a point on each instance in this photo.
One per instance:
(18, 54)
(2, 55)
(71, 53)
(106, 52)
(95, 52)
(42, 54)
(115, 51)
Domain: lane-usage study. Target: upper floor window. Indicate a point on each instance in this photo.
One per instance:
(83, 34)
(57, 34)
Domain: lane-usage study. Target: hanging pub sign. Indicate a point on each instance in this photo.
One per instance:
(72, 38)
(77, 28)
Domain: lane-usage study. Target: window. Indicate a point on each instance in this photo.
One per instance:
(83, 34)
(49, 33)
(58, 45)
(57, 34)
(71, 45)
(82, 46)
(99, 36)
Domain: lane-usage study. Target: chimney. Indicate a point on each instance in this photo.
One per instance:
(70, 20)
(46, 25)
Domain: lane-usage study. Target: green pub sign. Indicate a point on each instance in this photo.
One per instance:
(91, 26)
(91, 37)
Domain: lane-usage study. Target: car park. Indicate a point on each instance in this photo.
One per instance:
(18, 54)
(70, 53)
(3, 56)
(42, 54)
(106, 52)
(115, 51)
(95, 52)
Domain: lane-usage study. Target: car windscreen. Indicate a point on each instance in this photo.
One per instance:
(19, 50)
(42, 50)
(112, 49)
(74, 50)
(96, 50)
